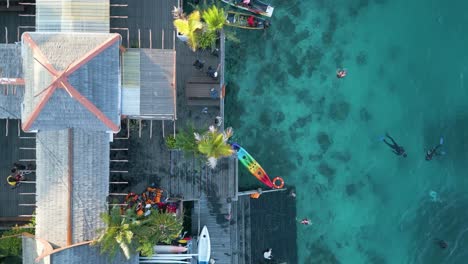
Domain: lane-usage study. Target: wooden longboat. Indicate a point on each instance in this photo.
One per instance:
(255, 6)
(241, 20)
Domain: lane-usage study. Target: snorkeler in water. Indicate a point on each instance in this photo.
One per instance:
(397, 149)
(441, 243)
(434, 151)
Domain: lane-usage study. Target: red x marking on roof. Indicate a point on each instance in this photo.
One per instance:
(60, 80)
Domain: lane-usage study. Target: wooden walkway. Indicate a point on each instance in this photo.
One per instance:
(190, 178)
(273, 225)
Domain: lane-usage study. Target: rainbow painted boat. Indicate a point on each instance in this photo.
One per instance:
(252, 165)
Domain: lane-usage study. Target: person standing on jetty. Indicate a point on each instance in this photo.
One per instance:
(397, 149)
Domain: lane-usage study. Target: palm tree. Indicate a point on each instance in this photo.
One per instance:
(214, 144)
(214, 18)
(189, 27)
(155, 229)
(118, 233)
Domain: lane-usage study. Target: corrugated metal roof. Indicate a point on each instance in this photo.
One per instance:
(131, 69)
(11, 96)
(98, 80)
(89, 254)
(73, 15)
(90, 184)
(10, 61)
(150, 75)
(130, 101)
(157, 83)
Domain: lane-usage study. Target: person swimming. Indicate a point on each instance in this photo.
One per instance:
(341, 73)
(441, 243)
(306, 221)
(434, 151)
(397, 149)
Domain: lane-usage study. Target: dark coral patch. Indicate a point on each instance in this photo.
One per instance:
(324, 141)
(321, 254)
(285, 25)
(314, 157)
(279, 117)
(341, 156)
(327, 171)
(339, 111)
(301, 122)
(265, 119)
(304, 96)
(351, 189)
(304, 34)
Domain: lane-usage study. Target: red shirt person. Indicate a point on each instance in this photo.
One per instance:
(251, 21)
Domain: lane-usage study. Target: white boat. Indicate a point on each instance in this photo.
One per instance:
(161, 249)
(204, 247)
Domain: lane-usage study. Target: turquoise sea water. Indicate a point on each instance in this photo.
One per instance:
(406, 62)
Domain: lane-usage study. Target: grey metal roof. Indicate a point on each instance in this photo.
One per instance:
(157, 83)
(152, 73)
(11, 96)
(98, 80)
(73, 255)
(10, 103)
(89, 254)
(90, 186)
(73, 15)
(10, 61)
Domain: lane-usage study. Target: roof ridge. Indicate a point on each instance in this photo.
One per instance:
(60, 80)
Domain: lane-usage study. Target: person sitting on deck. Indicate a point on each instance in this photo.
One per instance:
(14, 179)
(251, 21)
(213, 73)
(198, 64)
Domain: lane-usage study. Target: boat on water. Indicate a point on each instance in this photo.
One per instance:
(246, 21)
(254, 6)
(204, 247)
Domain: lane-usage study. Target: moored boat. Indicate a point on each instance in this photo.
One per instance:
(254, 6)
(246, 21)
(204, 247)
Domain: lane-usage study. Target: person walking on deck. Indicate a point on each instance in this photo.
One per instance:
(397, 149)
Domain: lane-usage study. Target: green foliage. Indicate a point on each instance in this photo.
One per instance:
(155, 229)
(185, 140)
(214, 144)
(11, 244)
(170, 142)
(214, 18)
(136, 234)
(118, 233)
(188, 26)
(207, 39)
